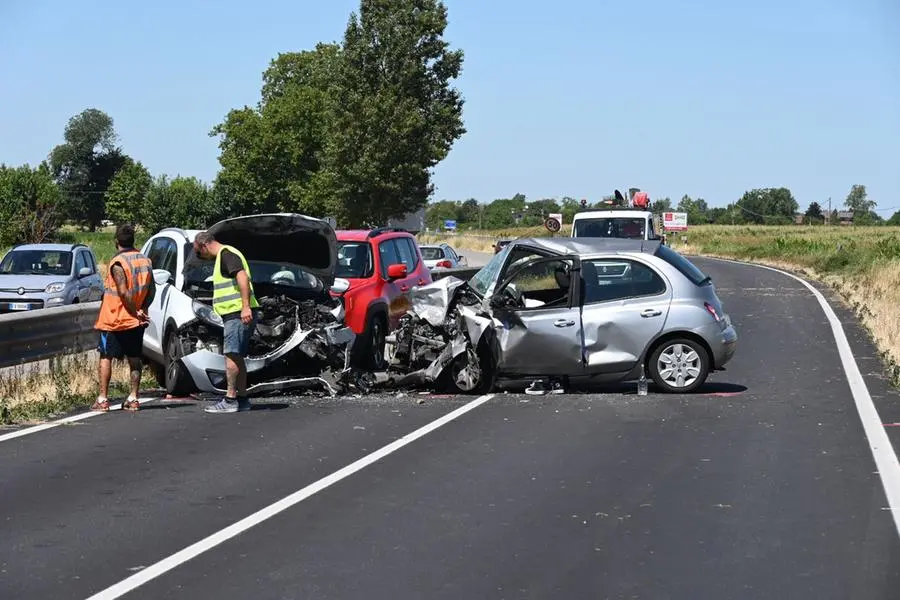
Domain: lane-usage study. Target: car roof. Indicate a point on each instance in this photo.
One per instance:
(581, 245)
(50, 247)
(362, 235)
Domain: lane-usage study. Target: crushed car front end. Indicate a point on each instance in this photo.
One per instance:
(300, 338)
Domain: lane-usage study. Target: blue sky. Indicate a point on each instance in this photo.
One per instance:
(571, 97)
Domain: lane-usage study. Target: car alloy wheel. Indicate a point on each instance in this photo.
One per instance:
(377, 335)
(679, 366)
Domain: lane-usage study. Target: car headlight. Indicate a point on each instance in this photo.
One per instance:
(206, 313)
(55, 288)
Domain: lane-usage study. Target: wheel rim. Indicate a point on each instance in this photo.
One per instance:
(172, 364)
(679, 365)
(467, 372)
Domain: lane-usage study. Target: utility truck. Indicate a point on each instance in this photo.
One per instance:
(628, 218)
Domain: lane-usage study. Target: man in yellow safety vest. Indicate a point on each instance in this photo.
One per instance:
(235, 302)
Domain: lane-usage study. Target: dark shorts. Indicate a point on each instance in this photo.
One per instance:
(119, 344)
(237, 335)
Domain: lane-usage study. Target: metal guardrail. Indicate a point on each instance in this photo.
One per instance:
(47, 332)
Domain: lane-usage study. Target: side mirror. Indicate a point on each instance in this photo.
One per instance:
(85, 272)
(161, 276)
(397, 272)
(340, 286)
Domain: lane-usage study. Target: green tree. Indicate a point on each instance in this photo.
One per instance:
(157, 211)
(895, 219)
(862, 207)
(191, 203)
(395, 115)
(661, 205)
(773, 206)
(30, 205)
(814, 213)
(127, 193)
(696, 209)
(85, 164)
(569, 207)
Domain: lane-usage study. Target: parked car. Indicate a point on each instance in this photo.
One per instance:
(301, 333)
(34, 276)
(441, 256)
(564, 308)
(382, 266)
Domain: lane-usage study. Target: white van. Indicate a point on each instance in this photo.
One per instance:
(616, 223)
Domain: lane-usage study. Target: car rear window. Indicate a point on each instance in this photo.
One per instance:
(683, 265)
(432, 253)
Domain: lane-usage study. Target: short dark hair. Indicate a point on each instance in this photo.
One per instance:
(125, 236)
(204, 237)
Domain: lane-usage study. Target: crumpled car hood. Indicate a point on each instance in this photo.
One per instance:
(283, 237)
(431, 302)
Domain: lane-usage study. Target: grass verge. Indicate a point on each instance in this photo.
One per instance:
(862, 264)
(28, 396)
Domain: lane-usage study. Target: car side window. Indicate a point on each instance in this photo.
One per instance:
(89, 257)
(163, 254)
(80, 262)
(388, 255)
(544, 283)
(609, 279)
(408, 253)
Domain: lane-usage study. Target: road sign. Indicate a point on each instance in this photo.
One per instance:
(557, 216)
(450, 225)
(552, 225)
(675, 221)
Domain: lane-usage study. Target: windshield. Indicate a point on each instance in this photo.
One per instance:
(36, 262)
(611, 227)
(354, 260)
(481, 281)
(199, 273)
(432, 253)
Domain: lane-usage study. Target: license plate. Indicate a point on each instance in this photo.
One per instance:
(19, 306)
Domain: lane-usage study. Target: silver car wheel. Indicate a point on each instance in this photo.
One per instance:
(679, 366)
(466, 375)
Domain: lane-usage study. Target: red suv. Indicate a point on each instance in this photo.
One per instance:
(382, 265)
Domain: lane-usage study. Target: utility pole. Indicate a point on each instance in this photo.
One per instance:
(828, 219)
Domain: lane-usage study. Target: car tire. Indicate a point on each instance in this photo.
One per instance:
(691, 366)
(178, 381)
(455, 375)
(377, 332)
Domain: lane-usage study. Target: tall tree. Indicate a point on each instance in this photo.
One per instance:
(395, 114)
(768, 206)
(127, 193)
(85, 163)
(895, 219)
(814, 213)
(863, 208)
(661, 205)
(30, 204)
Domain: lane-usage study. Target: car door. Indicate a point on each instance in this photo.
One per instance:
(389, 254)
(624, 305)
(82, 282)
(539, 329)
(95, 280)
(163, 254)
(415, 266)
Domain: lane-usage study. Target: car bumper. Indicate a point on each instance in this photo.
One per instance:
(14, 303)
(207, 368)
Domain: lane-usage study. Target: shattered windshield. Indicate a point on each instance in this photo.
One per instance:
(36, 262)
(481, 281)
(614, 227)
(199, 273)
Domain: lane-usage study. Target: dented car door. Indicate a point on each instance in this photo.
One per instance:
(537, 327)
(624, 305)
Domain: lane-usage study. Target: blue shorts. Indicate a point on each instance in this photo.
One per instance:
(237, 335)
(119, 344)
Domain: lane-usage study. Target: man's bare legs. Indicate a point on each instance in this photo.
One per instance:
(105, 373)
(236, 375)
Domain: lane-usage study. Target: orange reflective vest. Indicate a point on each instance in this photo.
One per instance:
(138, 273)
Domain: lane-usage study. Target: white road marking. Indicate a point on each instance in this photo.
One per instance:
(197, 548)
(879, 443)
(64, 421)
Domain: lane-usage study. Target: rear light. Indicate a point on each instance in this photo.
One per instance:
(444, 264)
(712, 310)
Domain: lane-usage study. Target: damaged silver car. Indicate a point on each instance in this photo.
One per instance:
(565, 310)
(300, 339)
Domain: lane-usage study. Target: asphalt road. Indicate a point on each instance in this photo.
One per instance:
(761, 486)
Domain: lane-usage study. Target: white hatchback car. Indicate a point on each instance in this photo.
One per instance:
(441, 256)
(301, 332)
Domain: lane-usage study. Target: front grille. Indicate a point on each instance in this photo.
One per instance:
(6, 304)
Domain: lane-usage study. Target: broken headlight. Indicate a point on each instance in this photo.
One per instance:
(206, 314)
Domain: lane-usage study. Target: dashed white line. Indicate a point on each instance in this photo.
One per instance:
(882, 450)
(197, 548)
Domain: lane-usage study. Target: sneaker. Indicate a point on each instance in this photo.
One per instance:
(225, 405)
(537, 388)
(556, 388)
(244, 404)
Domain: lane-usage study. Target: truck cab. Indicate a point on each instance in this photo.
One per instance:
(615, 223)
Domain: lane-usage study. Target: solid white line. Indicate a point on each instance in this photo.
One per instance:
(879, 443)
(197, 548)
(63, 421)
